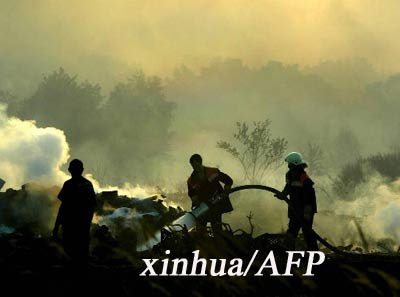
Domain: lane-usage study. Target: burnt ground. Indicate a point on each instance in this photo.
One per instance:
(35, 266)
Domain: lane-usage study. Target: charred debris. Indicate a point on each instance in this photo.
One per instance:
(32, 261)
(140, 226)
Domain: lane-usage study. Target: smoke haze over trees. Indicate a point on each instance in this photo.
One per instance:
(146, 127)
(120, 138)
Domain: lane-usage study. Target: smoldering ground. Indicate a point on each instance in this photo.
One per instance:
(31, 159)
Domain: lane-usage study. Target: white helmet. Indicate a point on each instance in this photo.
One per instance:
(295, 159)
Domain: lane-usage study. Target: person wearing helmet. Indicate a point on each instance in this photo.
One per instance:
(299, 188)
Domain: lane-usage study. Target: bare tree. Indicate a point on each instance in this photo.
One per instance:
(250, 217)
(256, 151)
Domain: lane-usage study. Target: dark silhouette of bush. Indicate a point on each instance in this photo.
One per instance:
(354, 174)
(388, 165)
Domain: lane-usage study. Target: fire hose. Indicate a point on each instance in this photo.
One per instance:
(190, 218)
(299, 218)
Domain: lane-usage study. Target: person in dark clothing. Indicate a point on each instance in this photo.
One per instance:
(203, 184)
(75, 214)
(299, 187)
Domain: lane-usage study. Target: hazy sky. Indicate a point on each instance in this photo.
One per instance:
(159, 35)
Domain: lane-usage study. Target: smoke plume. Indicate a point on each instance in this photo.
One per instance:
(29, 153)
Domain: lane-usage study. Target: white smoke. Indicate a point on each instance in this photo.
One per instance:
(376, 208)
(384, 219)
(388, 220)
(33, 154)
(129, 190)
(29, 153)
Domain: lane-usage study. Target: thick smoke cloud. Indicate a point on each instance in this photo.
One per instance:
(31, 154)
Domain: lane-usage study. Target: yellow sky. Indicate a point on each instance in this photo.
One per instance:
(160, 35)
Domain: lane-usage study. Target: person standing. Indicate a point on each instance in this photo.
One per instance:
(299, 187)
(75, 214)
(203, 184)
